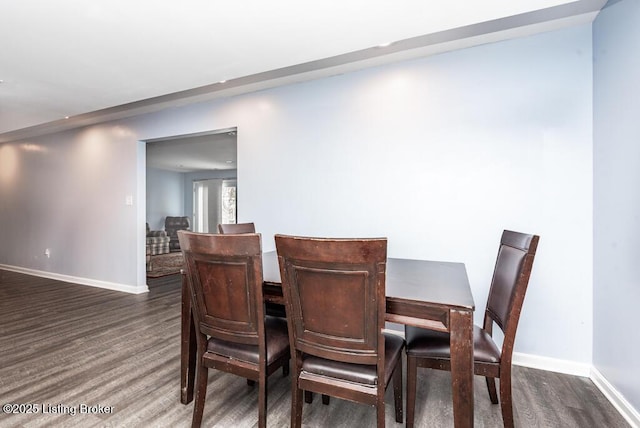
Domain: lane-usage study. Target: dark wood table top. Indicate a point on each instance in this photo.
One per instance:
(438, 283)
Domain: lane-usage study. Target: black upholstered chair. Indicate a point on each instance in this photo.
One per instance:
(233, 334)
(430, 349)
(172, 225)
(237, 228)
(334, 290)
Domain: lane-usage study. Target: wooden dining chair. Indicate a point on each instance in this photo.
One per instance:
(334, 291)
(237, 228)
(430, 349)
(274, 309)
(233, 334)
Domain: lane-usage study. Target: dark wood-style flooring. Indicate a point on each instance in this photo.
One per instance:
(65, 345)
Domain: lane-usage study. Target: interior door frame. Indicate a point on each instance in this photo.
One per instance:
(142, 193)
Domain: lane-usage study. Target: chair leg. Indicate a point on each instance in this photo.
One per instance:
(491, 386)
(296, 403)
(397, 390)
(505, 400)
(412, 373)
(380, 413)
(200, 395)
(262, 401)
(308, 398)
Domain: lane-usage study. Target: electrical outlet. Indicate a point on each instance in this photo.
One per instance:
(47, 252)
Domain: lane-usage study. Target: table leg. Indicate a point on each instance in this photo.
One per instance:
(187, 347)
(461, 327)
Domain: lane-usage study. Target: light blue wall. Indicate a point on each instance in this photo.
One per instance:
(76, 194)
(438, 154)
(165, 196)
(616, 352)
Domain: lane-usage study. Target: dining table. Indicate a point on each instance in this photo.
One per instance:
(435, 295)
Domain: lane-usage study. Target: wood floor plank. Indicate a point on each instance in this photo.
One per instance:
(67, 344)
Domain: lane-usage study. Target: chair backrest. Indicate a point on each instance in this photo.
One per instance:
(509, 284)
(224, 274)
(176, 223)
(172, 225)
(237, 228)
(334, 291)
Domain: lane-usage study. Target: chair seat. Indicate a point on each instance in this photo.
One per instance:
(359, 373)
(277, 344)
(424, 343)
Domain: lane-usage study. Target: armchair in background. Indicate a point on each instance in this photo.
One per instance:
(157, 242)
(172, 225)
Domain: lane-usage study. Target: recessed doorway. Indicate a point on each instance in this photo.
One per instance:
(175, 167)
(192, 176)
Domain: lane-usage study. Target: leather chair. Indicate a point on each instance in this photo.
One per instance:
(172, 225)
(233, 334)
(426, 348)
(334, 291)
(237, 228)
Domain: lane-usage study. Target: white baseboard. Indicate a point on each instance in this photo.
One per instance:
(619, 402)
(574, 368)
(552, 364)
(78, 280)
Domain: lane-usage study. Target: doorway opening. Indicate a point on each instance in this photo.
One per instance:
(184, 173)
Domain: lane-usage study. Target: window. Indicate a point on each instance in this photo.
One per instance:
(214, 201)
(229, 201)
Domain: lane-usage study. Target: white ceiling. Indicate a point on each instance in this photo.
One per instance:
(104, 59)
(205, 152)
